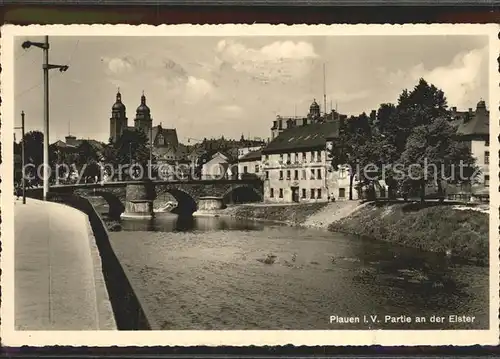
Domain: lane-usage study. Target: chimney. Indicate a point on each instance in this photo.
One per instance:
(454, 109)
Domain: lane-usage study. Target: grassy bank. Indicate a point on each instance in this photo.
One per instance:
(289, 214)
(436, 228)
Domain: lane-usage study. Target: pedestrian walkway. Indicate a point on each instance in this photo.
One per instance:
(58, 278)
(332, 212)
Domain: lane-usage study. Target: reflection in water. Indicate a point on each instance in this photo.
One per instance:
(169, 222)
(212, 273)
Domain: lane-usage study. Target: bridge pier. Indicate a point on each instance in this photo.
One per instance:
(210, 203)
(139, 201)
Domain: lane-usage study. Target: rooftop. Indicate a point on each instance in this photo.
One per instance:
(311, 136)
(252, 156)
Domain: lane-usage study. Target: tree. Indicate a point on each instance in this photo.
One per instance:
(86, 153)
(33, 154)
(132, 147)
(432, 154)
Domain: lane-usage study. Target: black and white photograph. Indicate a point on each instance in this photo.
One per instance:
(260, 185)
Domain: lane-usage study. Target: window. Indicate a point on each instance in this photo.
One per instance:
(304, 193)
(281, 175)
(341, 192)
(319, 173)
(304, 156)
(304, 174)
(288, 174)
(486, 180)
(487, 143)
(267, 174)
(312, 174)
(245, 169)
(319, 192)
(296, 175)
(486, 157)
(342, 173)
(281, 157)
(267, 157)
(296, 158)
(281, 192)
(312, 193)
(271, 193)
(319, 156)
(256, 168)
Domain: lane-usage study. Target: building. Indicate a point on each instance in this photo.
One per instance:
(473, 128)
(219, 166)
(250, 164)
(283, 123)
(166, 146)
(296, 167)
(119, 121)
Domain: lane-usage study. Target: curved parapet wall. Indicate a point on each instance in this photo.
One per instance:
(128, 312)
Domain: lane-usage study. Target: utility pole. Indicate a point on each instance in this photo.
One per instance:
(22, 157)
(46, 67)
(151, 145)
(324, 89)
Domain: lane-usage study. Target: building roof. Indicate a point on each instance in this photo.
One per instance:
(252, 156)
(303, 137)
(61, 144)
(479, 124)
(169, 135)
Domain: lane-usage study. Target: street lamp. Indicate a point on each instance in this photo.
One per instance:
(22, 157)
(46, 67)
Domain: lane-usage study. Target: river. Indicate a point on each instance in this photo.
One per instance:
(222, 273)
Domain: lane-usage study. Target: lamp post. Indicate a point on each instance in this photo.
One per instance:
(22, 157)
(46, 67)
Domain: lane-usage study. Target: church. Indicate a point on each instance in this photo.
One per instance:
(165, 142)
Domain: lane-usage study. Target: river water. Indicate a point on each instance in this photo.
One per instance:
(222, 273)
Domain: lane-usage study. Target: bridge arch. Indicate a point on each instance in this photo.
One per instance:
(186, 204)
(116, 206)
(242, 194)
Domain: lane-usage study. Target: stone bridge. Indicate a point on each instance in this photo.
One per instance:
(135, 198)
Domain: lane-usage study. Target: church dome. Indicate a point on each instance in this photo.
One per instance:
(118, 106)
(143, 108)
(481, 105)
(314, 107)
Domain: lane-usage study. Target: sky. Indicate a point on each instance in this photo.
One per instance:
(213, 86)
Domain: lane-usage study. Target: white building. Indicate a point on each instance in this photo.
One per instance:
(250, 164)
(297, 167)
(218, 167)
(474, 129)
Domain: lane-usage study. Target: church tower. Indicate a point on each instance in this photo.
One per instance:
(118, 120)
(143, 120)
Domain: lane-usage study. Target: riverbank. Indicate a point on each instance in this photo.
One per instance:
(442, 228)
(290, 214)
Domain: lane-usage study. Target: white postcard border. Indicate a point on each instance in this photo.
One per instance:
(12, 338)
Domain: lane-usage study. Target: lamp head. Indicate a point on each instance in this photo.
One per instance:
(63, 68)
(26, 45)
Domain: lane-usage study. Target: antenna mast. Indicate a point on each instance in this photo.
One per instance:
(324, 88)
